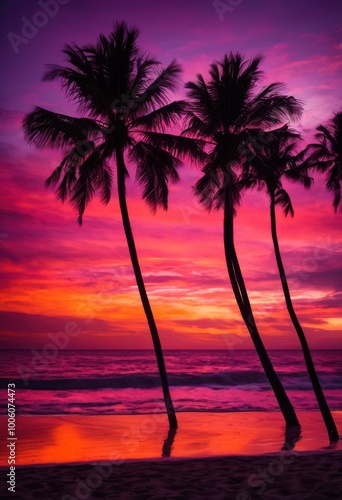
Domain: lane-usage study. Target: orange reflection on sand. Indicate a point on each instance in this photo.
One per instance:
(67, 441)
(76, 438)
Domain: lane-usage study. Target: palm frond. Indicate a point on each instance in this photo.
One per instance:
(99, 75)
(82, 83)
(66, 183)
(333, 183)
(156, 93)
(155, 167)
(326, 138)
(183, 147)
(206, 188)
(320, 157)
(195, 127)
(162, 117)
(69, 167)
(219, 197)
(144, 65)
(270, 108)
(94, 174)
(299, 174)
(46, 128)
(282, 198)
(326, 155)
(201, 103)
(249, 180)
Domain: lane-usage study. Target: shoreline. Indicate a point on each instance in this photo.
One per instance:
(156, 460)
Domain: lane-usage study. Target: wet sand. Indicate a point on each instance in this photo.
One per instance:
(212, 455)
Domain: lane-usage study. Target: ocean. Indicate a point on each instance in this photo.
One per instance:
(127, 382)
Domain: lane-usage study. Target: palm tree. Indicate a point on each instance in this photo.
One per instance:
(326, 155)
(276, 161)
(123, 97)
(223, 113)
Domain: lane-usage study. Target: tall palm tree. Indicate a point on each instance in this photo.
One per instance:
(123, 97)
(326, 155)
(276, 161)
(223, 113)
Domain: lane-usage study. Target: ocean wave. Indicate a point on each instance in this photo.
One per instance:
(245, 379)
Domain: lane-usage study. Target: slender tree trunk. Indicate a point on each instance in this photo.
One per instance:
(141, 286)
(241, 295)
(323, 405)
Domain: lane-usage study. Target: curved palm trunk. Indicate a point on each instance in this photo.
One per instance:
(241, 296)
(141, 286)
(323, 405)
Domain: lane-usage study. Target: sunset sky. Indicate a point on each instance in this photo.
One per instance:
(54, 271)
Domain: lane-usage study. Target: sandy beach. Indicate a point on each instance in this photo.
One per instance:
(291, 475)
(212, 455)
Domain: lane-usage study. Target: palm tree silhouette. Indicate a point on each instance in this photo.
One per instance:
(123, 97)
(276, 161)
(223, 113)
(326, 155)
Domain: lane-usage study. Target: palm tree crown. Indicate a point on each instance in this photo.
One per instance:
(327, 155)
(276, 161)
(123, 97)
(226, 112)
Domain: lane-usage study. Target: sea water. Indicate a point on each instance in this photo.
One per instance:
(127, 382)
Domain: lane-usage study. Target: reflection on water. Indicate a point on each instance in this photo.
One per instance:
(292, 435)
(80, 438)
(168, 443)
